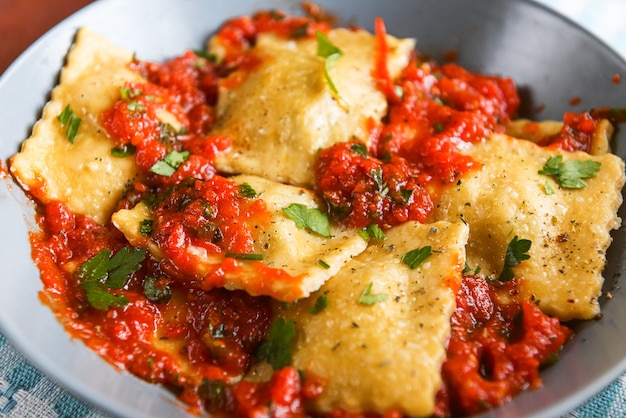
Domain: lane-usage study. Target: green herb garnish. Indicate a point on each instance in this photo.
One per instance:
(168, 165)
(145, 227)
(126, 151)
(278, 346)
(570, 174)
(372, 231)
(327, 50)
(245, 190)
(323, 263)
(377, 175)
(368, 298)
(101, 273)
(129, 93)
(516, 252)
(308, 218)
(416, 257)
(320, 304)
(246, 256)
(69, 119)
(359, 149)
(155, 290)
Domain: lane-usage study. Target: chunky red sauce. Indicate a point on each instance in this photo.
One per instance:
(210, 334)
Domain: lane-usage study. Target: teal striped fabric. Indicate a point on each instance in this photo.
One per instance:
(26, 392)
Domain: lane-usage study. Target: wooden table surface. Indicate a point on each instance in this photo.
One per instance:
(23, 21)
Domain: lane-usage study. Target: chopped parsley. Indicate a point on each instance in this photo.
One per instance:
(377, 175)
(129, 93)
(416, 257)
(278, 346)
(320, 304)
(548, 189)
(145, 227)
(156, 290)
(135, 106)
(125, 151)
(308, 218)
(327, 50)
(467, 270)
(570, 174)
(206, 55)
(103, 272)
(246, 256)
(359, 149)
(69, 119)
(368, 298)
(168, 165)
(245, 190)
(516, 252)
(372, 231)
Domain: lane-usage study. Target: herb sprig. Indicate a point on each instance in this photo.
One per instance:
(102, 272)
(570, 174)
(516, 252)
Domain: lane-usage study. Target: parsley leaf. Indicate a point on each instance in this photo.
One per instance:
(145, 227)
(516, 252)
(416, 257)
(245, 190)
(168, 165)
(278, 346)
(377, 175)
(570, 174)
(156, 290)
(308, 218)
(359, 149)
(327, 50)
(320, 304)
(372, 231)
(368, 298)
(68, 118)
(125, 151)
(100, 273)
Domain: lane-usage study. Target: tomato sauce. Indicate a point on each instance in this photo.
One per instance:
(495, 350)
(179, 329)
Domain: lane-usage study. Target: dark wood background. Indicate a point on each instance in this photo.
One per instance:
(23, 21)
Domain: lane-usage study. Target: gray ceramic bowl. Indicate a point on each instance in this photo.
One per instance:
(551, 59)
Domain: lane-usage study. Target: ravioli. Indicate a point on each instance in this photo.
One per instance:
(283, 112)
(388, 355)
(283, 245)
(83, 174)
(569, 230)
(536, 131)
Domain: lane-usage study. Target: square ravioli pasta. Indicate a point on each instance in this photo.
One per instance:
(314, 212)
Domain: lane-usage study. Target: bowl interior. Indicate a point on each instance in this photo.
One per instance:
(551, 59)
